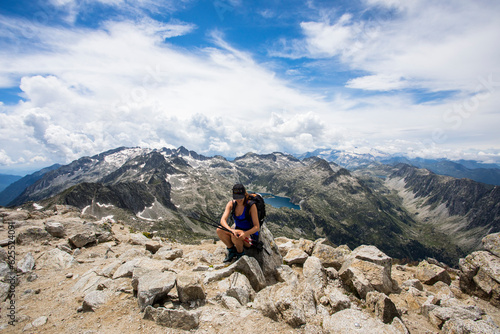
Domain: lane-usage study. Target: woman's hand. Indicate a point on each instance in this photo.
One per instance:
(240, 234)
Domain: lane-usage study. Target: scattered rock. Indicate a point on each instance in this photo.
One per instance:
(295, 256)
(55, 229)
(430, 273)
(82, 239)
(491, 243)
(382, 305)
(153, 287)
(56, 259)
(26, 264)
(93, 300)
(189, 287)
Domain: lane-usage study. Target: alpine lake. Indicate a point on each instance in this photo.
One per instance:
(279, 201)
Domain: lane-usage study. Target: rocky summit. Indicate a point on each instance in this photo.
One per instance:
(65, 273)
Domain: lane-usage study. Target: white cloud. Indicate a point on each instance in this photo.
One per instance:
(4, 158)
(433, 45)
(87, 90)
(378, 82)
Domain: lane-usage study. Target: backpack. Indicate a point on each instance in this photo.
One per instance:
(258, 200)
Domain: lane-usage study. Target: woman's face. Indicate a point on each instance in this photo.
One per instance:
(240, 201)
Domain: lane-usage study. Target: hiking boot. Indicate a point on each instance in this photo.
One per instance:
(231, 253)
(238, 255)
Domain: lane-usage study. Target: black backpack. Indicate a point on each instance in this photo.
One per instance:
(258, 200)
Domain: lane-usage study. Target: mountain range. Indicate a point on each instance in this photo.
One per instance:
(482, 172)
(408, 212)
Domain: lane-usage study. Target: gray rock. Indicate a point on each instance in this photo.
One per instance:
(138, 239)
(110, 269)
(466, 326)
(247, 266)
(491, 243)
(93, 300)
(189, 287)
(56, 259)
(126, 269)
(82, 239)
(374, 255)
(330, 256)
(31, 234)
(87, 283)
(285, 273)
(3, 254)
(4, 291)
(269, 258)
(430, 273)
(295, 256)
(230, 302)
(55, 229)
(363, 277)
(293, 304)
(4, 269)
(480, 276)
(337, 299)
(315, 274)
(239, 287)
(165, 253)
(154, 286)
(182, 319)
(104, 236)
(415, 283)
(40, 321)
(153, 246)
(383, 306)
(354, 321)
(26, 264)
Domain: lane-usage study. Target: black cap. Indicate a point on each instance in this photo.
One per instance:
(238, 191)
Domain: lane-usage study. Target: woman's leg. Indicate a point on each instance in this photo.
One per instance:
(225, 237)
(239, 244)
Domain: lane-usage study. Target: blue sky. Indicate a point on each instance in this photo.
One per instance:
(415, 78)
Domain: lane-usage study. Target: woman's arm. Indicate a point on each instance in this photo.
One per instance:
(225, 216)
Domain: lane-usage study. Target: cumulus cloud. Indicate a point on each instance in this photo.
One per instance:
(123, 84)
(432, 45)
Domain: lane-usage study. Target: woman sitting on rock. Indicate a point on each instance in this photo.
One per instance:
(246, 227)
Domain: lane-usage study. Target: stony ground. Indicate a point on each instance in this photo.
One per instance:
(52, 295)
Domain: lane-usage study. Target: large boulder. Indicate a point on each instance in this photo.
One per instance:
(94, 299)
(27, 263)
(153, 287)
(82, 239)
(239, 287)
(315, 274)
(491, 243)
(330, 256)
(367, 269)
(354, 321)
(246, 265)
(173, 318)
(190, 287)
(430, 273)
(55, 229)
(31, 234)
(56, 259)
(295, 256)
(480, 276)
(269, 257)
(383, 307)
(293, 304)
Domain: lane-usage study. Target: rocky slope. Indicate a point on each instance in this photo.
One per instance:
(71, 274)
